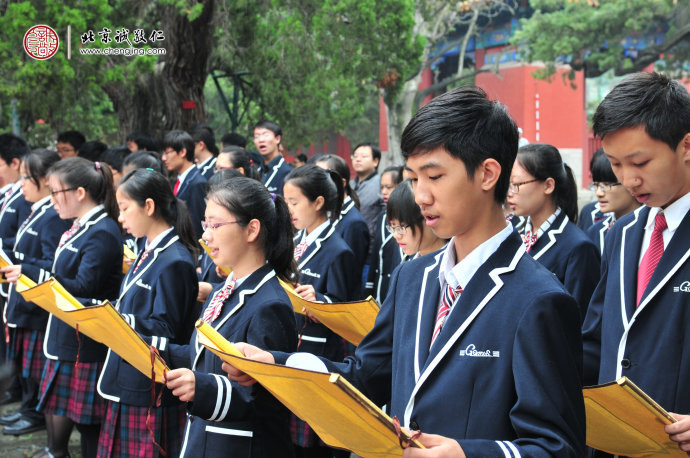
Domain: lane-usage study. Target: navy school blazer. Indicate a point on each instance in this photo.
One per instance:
(227, 419)
(15, 211)
(34, 249)
(89, 266)
(386, 255)
(192, 192)
(648, 342)
(208, 168)
(352, 227)
(158, 301)
(327, 266)
(567, 252)
(590, 214)
(504, 375)
(597, 232)
(274, 173)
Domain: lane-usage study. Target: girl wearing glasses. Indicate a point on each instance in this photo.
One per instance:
(406, 223)
(88, 263)
(324, 261)
(614, 199)
(542, 189)
(157, 298)
(248, 228)
(34, 249)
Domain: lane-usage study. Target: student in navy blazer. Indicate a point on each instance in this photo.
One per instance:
(190, 187)
(14, 209)
(34, 249)
(494, 372)
(639, 326)
(386, 256)
(248, 228)
(543, 190)
(88, 263)
(157, 298)
(267, 138)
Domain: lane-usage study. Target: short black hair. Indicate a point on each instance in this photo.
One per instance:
(12, 147)
(145, 141)
(375, 150)
(652, 100)
(470, 127)
(600, 167)
(37, 162)
(115, 157)
(396, 172)
(301, 157)
(403, 208)
(202, 134)
(180, 140)
(270, 125)
(144, 160)
(92, 150)
(73, 137)
(233, 139)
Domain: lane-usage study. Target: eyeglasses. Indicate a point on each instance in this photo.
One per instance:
(206, 226)
(515, 187)
(400, 230)
(52, 193)
(66, 150)
(265, 135)
(605, 187)
(24, 177)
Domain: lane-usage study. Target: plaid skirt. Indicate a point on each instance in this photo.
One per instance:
(65, 395)
(26, 350)
(124, 432)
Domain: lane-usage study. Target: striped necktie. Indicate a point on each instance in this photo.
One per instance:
(215, 306)
(449, 297)
(143, 257)
(300, 249)
(652, 256)
(70, 232)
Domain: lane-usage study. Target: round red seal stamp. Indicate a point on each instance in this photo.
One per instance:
(41, 42)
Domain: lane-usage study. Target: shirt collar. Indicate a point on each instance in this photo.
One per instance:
(545, 225)
(315, 233)
(207, 161)
(84, 219)
(39, 203)
(674, 214)
(6, 188)
(154, 243)
(460, 274)
(184, 174)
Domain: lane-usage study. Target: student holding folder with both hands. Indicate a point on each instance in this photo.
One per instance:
(482, 368)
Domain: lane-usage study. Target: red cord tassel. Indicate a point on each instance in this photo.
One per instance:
(155, 401)
(401, 439)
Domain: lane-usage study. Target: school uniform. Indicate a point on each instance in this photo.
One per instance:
(227, 419)
(207, 168)
(502, 376)
(274, 173)
(352, 227)
(13, 211)
(386, 256)
(34, 248)
(567, 252)
(597, 232)
(590, 214)
(89, 266)
(157, 298)
(643, 341)
(192, 191)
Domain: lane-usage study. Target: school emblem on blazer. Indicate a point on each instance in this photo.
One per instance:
(683, 288)
(472, 351)
(308, 272)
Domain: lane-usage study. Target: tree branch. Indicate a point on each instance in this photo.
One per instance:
(450, 80)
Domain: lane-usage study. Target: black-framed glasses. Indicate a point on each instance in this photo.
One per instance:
(206, 226)
(400, 230)
(605, 187)
(515, 187)
(53, 193)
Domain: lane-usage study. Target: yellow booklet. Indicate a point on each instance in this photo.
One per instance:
(623, 420)
(23, 283)
(350, 320)
(128, 256)
(224, 269)
(341, 415)
(102, 323)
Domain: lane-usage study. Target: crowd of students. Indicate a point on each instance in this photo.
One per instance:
(496, 307)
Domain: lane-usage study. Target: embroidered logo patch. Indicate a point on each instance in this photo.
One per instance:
(310, 273)
(472, 351)
(683, 288)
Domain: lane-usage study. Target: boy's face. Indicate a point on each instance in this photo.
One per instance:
(654, 174)
(174, 160)
(444, 192)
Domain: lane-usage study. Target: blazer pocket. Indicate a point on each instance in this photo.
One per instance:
(227, 442)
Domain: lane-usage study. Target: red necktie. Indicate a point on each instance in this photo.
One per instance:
(70, 232)
(529, 240)
(449, 297)
(216, 304)
(300, 249)
(26, 221)
(652, 255)
(144, 255)
(177, 186)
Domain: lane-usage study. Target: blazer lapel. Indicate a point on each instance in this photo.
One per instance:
(548, 239)
(313, 248)
(429, 297)
(631, 240)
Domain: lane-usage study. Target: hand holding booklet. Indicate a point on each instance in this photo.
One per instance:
(341, 415)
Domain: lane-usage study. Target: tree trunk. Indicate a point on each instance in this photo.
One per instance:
(398, 115)
(154, 103)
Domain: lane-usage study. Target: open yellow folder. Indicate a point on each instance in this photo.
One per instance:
(102, 323)
(350, 320)
(127, 256)
(341, 415)
(226, 270)
(23, 283)
(623, 420)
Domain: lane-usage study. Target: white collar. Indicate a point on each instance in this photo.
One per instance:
(315, 233)
(674, 214)
(238, 282)
(545, 225)
(84, 219)
(184, 174)
(461, 273)
(39, 203)
(201, 165)
(7, 187)
(154, 243)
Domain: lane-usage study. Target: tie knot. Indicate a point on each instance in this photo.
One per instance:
(660, 224)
